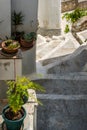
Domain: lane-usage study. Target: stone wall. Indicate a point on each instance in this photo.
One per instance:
(5, 16)
(82, 4)
(68, 5)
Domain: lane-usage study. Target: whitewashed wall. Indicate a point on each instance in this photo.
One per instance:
(5, 17)
(49, 13)
(29, 8)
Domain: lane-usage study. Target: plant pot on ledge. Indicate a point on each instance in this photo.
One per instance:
(10, 46)
(28, 40)
(13, 124)
(17, 95)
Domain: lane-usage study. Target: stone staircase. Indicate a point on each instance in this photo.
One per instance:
(50, 50)
(55, 46)
(64, 76)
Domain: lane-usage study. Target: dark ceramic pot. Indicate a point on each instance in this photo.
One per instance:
(13, 124)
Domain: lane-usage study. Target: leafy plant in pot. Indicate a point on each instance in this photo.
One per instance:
(10, 46)
(17, 20)
(27, 40)
(17, 95)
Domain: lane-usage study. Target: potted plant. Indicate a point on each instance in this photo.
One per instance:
(17, 95)
(10, 46)
(27, 40)
(17, 20)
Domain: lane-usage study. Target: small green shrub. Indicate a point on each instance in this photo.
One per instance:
(17, 18)
(29, 36)
(75, 15)
(66, 28)
(11, 44)
(18, 91)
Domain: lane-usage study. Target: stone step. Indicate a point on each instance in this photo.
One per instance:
(64, 103)
(44, 41)
(57, 47)
(48, 61)
(70, 84)
(62, 112)
(82, 35)
(70, 63)
(47, 48)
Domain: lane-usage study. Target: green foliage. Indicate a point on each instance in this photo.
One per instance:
(17, 18)
(18, 90)
(29, 36)
(75, 15)
(67, 28)
(11, 44)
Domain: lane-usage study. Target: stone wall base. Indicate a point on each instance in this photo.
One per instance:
(82, 5)
(72, 4)
(49, 32)
(69, 5)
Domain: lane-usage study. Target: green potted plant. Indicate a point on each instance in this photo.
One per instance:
(27, 40)
(17, 20)
(17, 95)
(10, 46)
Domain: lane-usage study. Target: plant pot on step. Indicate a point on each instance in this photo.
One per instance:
(26, 44)
(13, 124)
(28, 40)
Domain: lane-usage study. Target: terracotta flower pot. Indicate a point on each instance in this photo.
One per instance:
(7, 49)
(27, 44)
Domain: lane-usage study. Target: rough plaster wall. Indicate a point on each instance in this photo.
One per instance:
(5, 17)
(49, 14)
(29, 9)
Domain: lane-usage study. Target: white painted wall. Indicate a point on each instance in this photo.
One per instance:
(49, 14)
(5, 17)
(29, 61)
(9, 68)
(29, 9)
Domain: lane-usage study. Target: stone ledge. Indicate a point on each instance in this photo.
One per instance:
(49, 32)
(61, 97)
